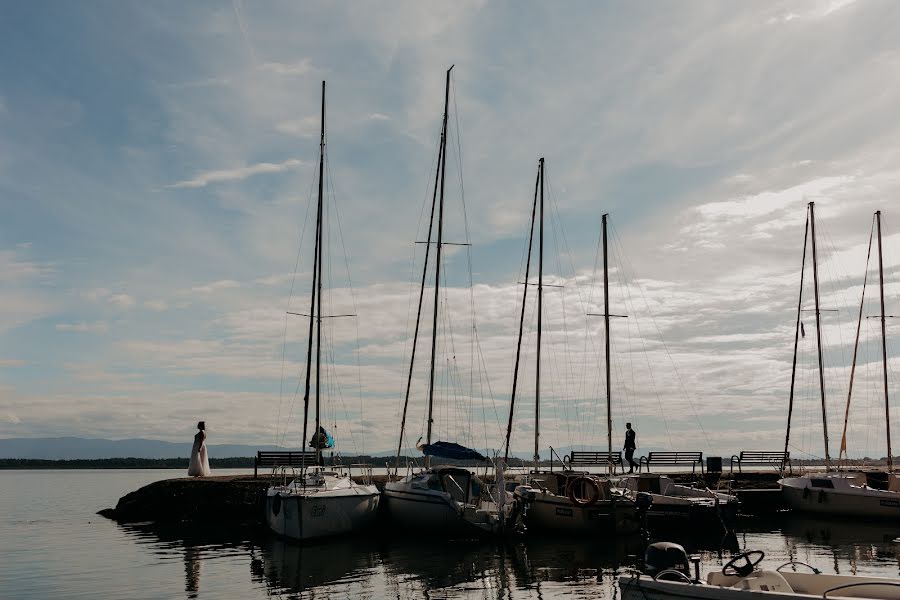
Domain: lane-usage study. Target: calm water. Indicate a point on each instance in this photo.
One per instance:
(52, 545)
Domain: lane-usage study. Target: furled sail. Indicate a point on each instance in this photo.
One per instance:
(450, 450)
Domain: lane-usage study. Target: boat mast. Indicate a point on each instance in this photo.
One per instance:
(540, 300)
(317, 435)
(812, 222)
(606, 323)
(512, 401)
(316, 285)
(887, 409)
(437, 268)
(787, 435)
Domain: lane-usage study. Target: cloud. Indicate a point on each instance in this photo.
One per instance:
(237, 174)
(84, 327)
(301, 67)
(122, 300)
(156, 305)
(305, 127)
(11, 362)
(379, 117)
(216, 286)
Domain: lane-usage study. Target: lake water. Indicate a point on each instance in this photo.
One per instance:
(52, 545)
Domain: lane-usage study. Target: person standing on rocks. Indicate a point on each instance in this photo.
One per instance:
(199, 466)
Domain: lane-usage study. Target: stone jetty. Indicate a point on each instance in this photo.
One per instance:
(239, 499)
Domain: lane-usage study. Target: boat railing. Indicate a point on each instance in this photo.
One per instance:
(553, 453)
(365, 472)
(280, 473)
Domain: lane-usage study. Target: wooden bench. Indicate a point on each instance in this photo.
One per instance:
(762, 457)
(577, 458)
(672, 459)
(283, 459)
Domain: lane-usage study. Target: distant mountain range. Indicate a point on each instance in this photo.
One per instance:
(69, 448)
(75, 448)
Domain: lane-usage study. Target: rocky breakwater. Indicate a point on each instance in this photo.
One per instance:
(235, 499)
(229, 499)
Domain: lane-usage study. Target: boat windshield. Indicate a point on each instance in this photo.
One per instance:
(457, 485)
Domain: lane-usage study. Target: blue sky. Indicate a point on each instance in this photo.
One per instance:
(156, 164)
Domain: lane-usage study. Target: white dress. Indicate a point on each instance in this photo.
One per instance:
(199, 466)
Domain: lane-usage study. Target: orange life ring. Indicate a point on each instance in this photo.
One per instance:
(595, 496)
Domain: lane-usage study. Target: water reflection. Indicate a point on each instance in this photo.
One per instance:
(191, 571)
(288, 567)
(385, 565)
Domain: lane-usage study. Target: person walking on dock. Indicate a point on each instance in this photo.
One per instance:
(630, 446)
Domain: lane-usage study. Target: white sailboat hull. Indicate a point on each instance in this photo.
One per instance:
(844, 499)
(435, 512)
(306, 516)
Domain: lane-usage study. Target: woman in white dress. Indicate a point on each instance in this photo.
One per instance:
(199, 466)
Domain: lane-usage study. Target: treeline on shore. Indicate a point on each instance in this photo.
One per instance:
(236, 462)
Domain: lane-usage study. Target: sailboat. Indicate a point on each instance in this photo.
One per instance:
(320, 502)
(569, 501)
(833, 492)
(442, 499)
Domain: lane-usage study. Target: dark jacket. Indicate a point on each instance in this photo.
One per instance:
(630, 436)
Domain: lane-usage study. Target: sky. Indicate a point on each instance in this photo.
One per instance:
(158, 170)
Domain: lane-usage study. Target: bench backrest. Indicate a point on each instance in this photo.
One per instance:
(285, 459)
(581, 457)
(763, 456)
(675, 458)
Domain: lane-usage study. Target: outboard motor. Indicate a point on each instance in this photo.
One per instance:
(661, 556)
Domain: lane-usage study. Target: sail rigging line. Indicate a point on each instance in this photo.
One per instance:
(838, 281)
(842, 453)
(280, 435)
(787, 435)
(336, 384)
(619, 253)
(475, 341)
(465, 215)
(556, 231)
(662, 340)
(412, 359)
(512, 401)
(333, 204)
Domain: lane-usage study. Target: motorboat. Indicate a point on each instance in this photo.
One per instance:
(321, 503)
(667, 576)
(681, 504)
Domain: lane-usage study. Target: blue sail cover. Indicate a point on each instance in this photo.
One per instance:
(451, 450)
